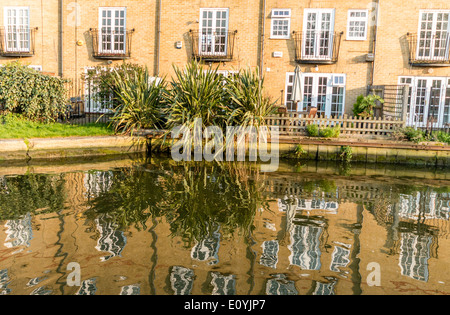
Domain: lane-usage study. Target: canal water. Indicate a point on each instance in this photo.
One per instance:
(164, 228)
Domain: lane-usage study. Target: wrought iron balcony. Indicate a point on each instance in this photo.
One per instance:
(218, 46)
(111, 43)
(432, 51)
(17, 41)
(317, 47)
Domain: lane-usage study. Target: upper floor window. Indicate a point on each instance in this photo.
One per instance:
(17, 29)
(357, 24)
(281, 23)
(213, 31)
(112, 30)
(434, 35)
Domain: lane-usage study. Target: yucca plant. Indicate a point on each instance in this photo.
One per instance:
(138, 98)
(196, 92)
(247, 100)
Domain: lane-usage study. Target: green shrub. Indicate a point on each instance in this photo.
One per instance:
(330, 132)
(365, 105)
(346, 153)
(313, 130)
(36, 96)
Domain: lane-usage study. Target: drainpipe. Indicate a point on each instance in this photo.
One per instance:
(61, 37)
(261, 67)
(375, 40)
(158, 45)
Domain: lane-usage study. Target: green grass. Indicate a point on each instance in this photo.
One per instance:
(16, 127)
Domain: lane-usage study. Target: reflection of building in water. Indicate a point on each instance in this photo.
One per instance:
(4, 281)
(280, 285)
(19, 232)
(181, 280)
(340, 257)
(111, 240)
(133, 289)
(269, 256)
(208, 249)
(414, 255)
(325, 288)
(305, 247)
(307, 204)
(88, 287)
(97, 182)
(424, 205)
(223, 284)
(41, 291)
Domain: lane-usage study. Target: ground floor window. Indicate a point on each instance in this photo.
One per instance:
(324, 91)
(428, 102)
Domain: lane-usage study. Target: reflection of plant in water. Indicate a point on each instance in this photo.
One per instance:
(200, 197)
(194, 198)
(33, 193)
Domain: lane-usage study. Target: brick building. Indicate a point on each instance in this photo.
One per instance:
(341, 47)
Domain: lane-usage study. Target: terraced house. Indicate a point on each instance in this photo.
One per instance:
(344, 48)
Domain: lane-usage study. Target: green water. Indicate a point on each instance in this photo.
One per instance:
(165, 228)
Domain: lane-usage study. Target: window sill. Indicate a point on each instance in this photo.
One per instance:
(282, 38)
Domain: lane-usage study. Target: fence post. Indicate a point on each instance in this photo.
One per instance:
(405, 104)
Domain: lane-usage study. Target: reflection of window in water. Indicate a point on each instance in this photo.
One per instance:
(111, 240)
(305, 251)
(4, 282)
(97, 183)
(428, 205)
(133, 289)
(307, 204)
(19, 232)
(414, 255)
(88, 287)
(269, 257)
(340, 258)
(207, 249)
(279, 285)
(41, 291)
(222, 284)
(181, 280)
(324, 288)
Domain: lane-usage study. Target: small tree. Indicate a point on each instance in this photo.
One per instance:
(28, 92)
(364, 106)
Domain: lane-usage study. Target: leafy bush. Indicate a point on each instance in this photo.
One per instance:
(346, 153)
(365, 105)
(26, 91)
(419, 135)
(138, 100)
(330, 132)
(313, 130)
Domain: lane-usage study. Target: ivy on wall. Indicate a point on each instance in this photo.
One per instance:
(31, 93)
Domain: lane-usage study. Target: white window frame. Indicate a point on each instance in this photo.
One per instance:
(284, 18)
(434, 29)
(17, 34)
(100, 29)
(315, 90)
(319, 23)
(413, 84)
(357, 19)
(212, 38)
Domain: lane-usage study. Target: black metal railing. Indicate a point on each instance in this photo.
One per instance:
(111, 43)
(218, 46)
(431, 51)
(17, 41)
(317, 47)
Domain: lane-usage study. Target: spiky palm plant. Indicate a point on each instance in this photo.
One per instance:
(138, 98)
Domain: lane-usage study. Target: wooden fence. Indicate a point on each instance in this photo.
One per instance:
(293, 124)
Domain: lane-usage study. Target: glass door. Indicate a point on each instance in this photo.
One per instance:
(17, 29)
(213, 32)
(318, 28)
(434, 34)
(112, 30)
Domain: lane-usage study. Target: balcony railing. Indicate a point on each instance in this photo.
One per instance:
(111, 43)
(317, 47)
(431, 51)
(218, 46)
(17, 41)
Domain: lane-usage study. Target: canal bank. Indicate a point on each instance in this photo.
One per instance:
(362, 150)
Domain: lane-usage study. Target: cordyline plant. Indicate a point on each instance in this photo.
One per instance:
(138, 100)
(31, 93)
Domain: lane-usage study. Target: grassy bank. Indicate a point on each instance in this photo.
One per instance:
(16, 127)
